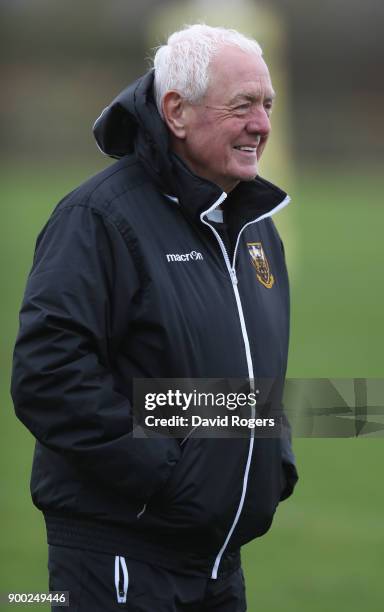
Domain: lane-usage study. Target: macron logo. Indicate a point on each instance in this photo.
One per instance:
(192, 256)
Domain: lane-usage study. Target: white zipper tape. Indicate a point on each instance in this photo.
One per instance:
(121, 591)
(232, 274)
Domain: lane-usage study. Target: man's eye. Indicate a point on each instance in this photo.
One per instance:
(268, 107)
(241, 108)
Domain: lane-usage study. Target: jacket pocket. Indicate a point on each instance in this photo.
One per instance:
(203, 492)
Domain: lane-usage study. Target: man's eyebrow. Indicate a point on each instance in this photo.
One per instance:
(270, 96)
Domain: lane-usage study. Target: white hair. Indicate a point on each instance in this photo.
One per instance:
(183, 63)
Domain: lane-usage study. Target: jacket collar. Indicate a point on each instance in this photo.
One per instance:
(249, 201)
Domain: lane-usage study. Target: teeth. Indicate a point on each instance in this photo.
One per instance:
(249, 149)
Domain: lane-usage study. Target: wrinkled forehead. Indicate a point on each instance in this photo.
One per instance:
(234, 72)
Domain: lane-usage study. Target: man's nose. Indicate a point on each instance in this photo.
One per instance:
(259, 122)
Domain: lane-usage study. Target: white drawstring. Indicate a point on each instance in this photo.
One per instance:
(121, 593)
(142, 511)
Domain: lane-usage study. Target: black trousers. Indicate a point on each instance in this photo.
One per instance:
(100, 582)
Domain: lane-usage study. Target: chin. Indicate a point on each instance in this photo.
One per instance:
(249, 176)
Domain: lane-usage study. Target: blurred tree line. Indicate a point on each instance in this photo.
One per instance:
(63, 61)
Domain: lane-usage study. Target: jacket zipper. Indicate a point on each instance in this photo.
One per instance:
(233, 277)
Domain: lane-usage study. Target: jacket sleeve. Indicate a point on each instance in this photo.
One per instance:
(75, 311)
(290, 474)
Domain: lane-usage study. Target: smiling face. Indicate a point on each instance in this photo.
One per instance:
(222, 137)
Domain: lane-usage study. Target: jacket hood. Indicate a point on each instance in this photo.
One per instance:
(132, 124)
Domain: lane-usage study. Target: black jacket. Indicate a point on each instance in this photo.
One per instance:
(104, 304)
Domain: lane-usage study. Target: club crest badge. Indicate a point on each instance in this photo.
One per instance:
(260, 263)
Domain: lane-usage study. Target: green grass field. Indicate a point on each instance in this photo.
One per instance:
(325, 552)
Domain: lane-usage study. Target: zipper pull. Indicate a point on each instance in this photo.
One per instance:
(233, 276)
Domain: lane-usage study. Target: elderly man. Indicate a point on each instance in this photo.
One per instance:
(165, 265)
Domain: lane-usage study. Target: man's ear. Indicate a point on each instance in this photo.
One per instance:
(174, 111)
